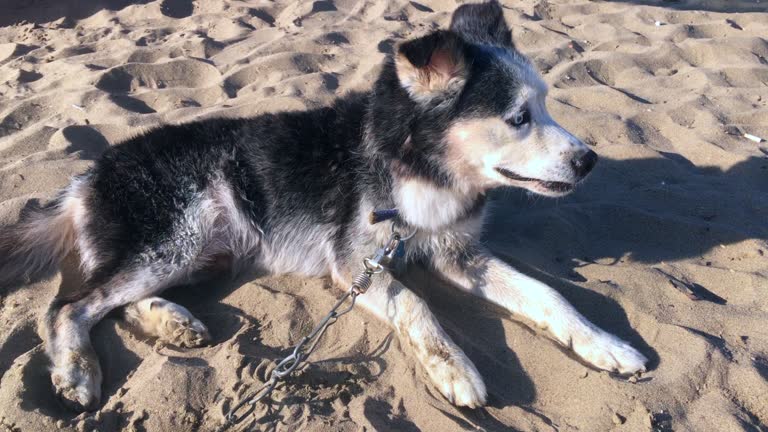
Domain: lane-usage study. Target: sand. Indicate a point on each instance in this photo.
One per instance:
(663, 91)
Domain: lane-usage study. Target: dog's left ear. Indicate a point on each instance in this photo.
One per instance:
(432, 65)
(482, 23)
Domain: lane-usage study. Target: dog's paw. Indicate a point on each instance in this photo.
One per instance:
(77, 381)
(181, 329)
(457, 379)
(606, 351)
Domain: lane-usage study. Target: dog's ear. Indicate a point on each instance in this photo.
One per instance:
(482, 23)
(432, 65)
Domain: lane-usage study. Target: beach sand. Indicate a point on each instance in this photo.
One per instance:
(662, 90)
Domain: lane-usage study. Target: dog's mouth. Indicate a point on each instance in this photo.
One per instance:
(538, 185)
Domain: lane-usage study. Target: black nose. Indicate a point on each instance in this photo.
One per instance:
(583, 164)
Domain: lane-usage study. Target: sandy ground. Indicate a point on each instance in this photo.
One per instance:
(662, 90)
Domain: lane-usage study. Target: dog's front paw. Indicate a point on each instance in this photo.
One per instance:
(606, 351)
(77, 381)
(181, 329)
(457, 379)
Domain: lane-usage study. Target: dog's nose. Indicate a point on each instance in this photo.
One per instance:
(583, 164)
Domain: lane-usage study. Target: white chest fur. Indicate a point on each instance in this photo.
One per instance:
(429, 207)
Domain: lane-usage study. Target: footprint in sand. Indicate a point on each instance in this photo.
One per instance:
(177, 73)
(290, 65)
(86, 140)
(263, 15)
(131, 104)
(28, 112)
(146, 55)
(333, 38)
(28, 76)
(587, 73)
(177, 8)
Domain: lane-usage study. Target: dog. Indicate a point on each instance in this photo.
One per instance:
(452, 115)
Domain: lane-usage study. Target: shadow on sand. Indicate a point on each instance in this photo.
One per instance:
(39, 12)
(725, 6)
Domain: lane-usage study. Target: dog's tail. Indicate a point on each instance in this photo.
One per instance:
(32, 249)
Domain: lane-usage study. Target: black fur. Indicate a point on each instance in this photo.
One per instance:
(482, 23)
(295, 164)
(419, 51)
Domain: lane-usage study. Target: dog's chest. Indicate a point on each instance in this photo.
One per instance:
(432, 208)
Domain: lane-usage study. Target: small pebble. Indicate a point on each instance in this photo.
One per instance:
(617, 419)
(633, 379)
(584, 373)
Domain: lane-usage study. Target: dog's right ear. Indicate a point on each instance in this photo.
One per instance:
(482, 23)
(432, 65)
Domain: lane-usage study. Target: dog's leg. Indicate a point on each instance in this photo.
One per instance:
(75, 370)
(167, 321)
(480, 273)
(445, 363)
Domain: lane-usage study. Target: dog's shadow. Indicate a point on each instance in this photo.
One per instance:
(477, 327)
(724, 6)
(644, 210)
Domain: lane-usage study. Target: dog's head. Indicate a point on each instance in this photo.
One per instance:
(483, 105)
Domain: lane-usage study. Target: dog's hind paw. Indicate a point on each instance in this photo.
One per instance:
(458, 380)
(77, 382)
(167, 321)
(607, 352)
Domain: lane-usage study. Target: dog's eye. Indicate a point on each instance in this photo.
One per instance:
(520, 118)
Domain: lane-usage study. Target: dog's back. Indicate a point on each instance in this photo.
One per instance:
(274, 175)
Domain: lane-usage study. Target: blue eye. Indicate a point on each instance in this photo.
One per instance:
(519, 119)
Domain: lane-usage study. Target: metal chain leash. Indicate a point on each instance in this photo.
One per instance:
(301, 352)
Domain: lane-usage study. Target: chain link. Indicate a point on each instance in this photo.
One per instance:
(373, 265)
